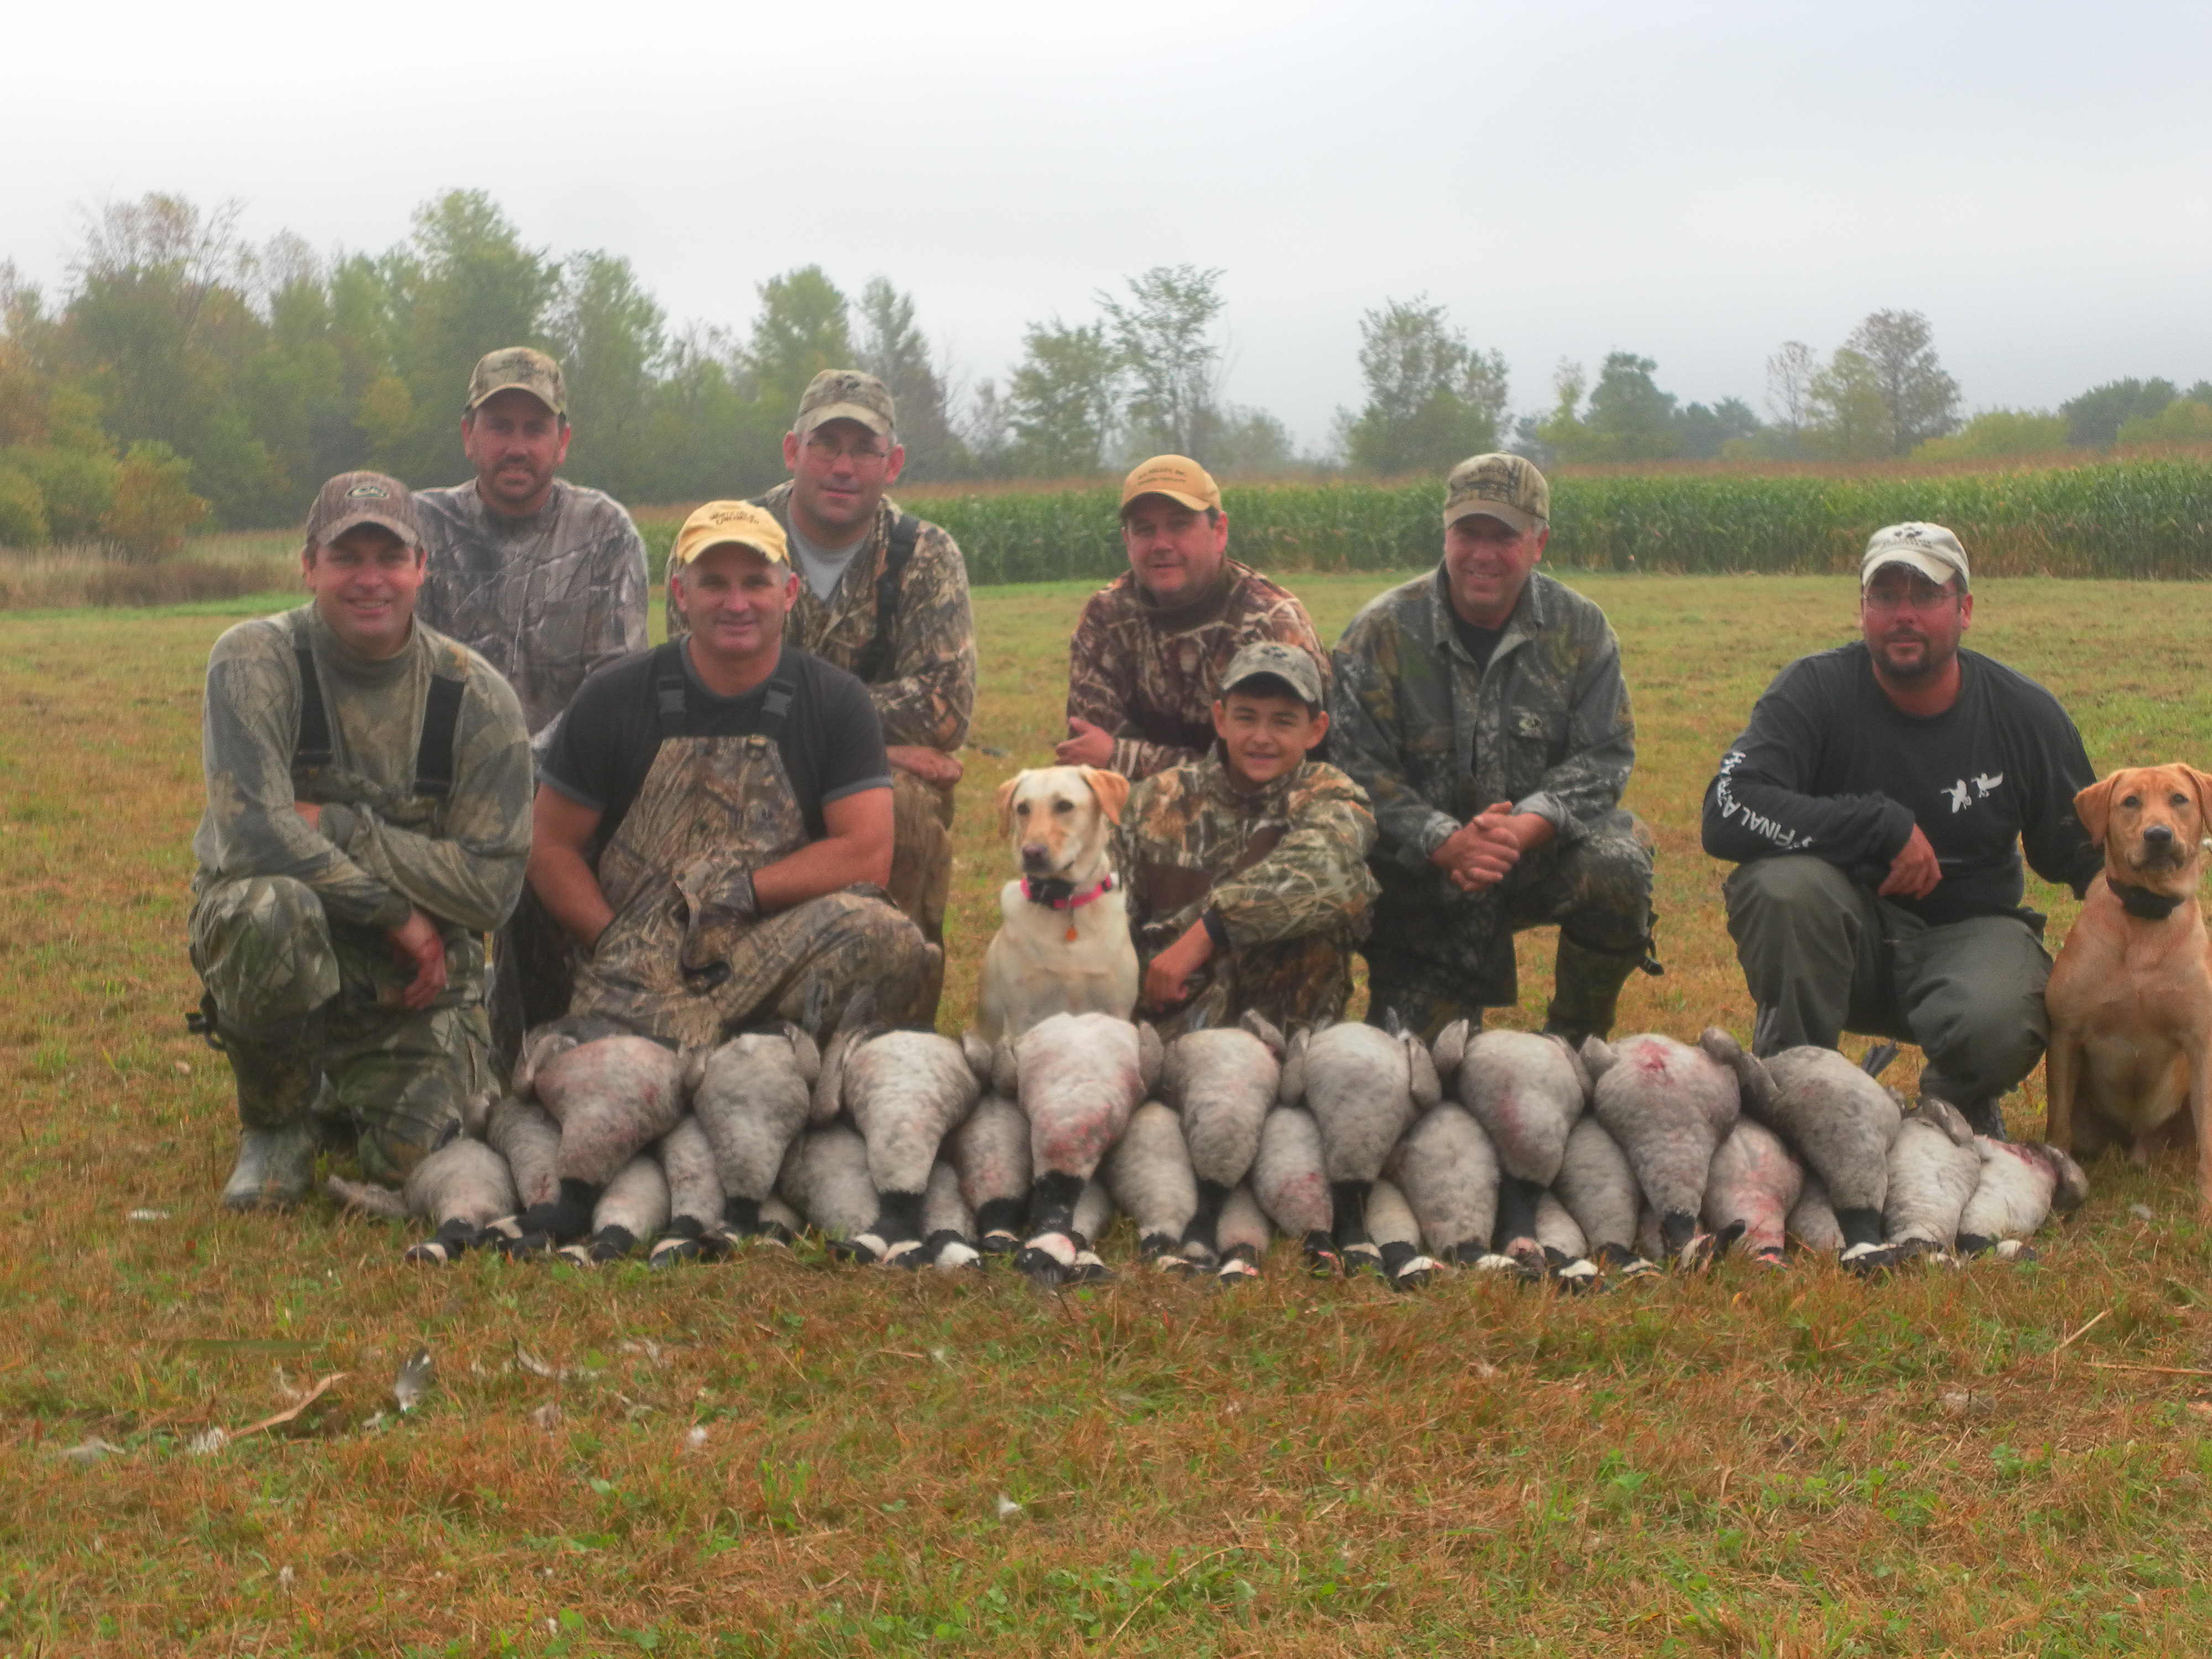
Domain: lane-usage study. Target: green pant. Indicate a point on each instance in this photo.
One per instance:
(302, 1003)
(1828, 956)
(1436, 954)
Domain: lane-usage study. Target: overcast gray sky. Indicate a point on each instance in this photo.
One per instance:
(1696, 182)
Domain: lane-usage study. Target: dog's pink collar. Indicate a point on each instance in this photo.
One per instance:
(1074, 901)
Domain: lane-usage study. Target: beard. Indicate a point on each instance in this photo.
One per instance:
(1931, 659)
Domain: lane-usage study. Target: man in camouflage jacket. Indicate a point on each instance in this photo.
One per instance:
(1144, 665)
(1482, 708)
(368, 821)
(917, 658)
(1272, 869)
(545, 580)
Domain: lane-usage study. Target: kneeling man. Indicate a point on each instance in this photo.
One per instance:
(714, 821)
(1248, 868)
(1875, 807)
(1482, 708)
(368, 821)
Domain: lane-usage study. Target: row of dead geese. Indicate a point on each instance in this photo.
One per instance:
(1497, 1150)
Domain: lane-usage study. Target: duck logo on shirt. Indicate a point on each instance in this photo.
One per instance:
(1965, 792)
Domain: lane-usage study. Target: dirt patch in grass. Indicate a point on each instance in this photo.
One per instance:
(781, 1456)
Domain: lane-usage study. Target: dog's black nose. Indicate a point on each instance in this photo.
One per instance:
(2157, 835)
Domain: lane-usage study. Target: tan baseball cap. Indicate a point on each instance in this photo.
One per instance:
(729, 523)
(846, 394)
(519, 368)
(1286, 663)
(1178, 478)
(1928, 549)
(1507, 488)
(354, 499)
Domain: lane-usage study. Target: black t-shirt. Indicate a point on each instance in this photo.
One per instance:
(1829, 766)
(1478, 642)
(831, 743)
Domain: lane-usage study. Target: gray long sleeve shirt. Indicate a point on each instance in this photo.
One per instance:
(381, 849)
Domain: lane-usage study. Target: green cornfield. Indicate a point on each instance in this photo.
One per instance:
(2134, 519)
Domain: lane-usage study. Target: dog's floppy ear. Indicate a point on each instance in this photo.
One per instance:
(2202, 781)
(1111, 788)
(2094, 806)
(1004, 800)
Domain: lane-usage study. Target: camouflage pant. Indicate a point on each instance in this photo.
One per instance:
(1292, 981)
(921, 868)
(802, 964)
(308, 1011)
(1436, 954)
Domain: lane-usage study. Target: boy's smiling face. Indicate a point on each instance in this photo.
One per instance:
(1266, 731)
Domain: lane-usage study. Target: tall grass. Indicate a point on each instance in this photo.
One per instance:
(2137, 517)
(226, 567)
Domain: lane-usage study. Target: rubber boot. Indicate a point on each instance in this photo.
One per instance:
(275, 1168)
(277, 1070)
(1586, 988)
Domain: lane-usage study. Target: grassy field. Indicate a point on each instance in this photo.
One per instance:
(784, 1457)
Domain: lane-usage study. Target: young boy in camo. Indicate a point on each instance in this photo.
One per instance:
(1247, 868)
(368, 821)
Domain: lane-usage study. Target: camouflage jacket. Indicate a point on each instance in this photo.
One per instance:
(928, 695)
(543, 599)
(1148, 674)
(381, 847)
(1288, 862)
(1432, 741)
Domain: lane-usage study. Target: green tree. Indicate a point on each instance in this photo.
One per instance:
(464, 285)
(610, 338)
(1629, 417)
(2185, 421)
(1996, 433)
(1432, 400)
(1248, 443)
(894, 350)
(1919, 400)
(1164, 335)
(1061, 399)
(803, 328)
(1851, 418)
(2095, 417)
(1705, 432)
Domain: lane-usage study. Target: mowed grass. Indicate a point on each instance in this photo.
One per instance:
(786, 1458)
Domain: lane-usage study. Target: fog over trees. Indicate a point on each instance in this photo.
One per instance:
(181, 372)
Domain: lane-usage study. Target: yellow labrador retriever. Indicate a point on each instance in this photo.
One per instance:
(2130, 996)
(1063, 945)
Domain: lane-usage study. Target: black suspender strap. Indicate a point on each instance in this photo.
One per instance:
(775, 706)
(312, 748)
(668, 688)
(433, 754)
(868, 667)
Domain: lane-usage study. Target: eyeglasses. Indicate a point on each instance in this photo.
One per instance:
(862, 450)
(1921, 596)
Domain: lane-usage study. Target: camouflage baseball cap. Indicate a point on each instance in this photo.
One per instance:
(729, 523)
(519, 368)
(1178, 478)
(1507, 488)
(354, 499)
(846, 394)
(1928, 549)
(1286, 663)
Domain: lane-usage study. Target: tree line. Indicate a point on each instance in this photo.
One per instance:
(184, 371)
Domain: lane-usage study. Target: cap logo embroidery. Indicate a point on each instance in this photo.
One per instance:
(375, 492)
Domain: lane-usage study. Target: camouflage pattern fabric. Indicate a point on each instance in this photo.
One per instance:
(308, 1007)
(921, 870)
(289, 925)
(1284, 867)
(928, 695)
(380, 849)
(1149, 674)
(544, 599)
(685, 959)
(1434, 740)
(1436, 954)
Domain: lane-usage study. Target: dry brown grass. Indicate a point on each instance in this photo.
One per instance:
(784, 1457)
